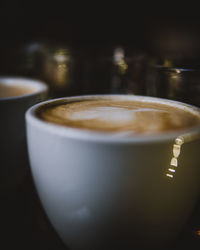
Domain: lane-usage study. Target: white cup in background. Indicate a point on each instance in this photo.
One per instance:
(17, 94)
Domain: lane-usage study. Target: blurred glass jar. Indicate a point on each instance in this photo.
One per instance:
(181, 83)
(49, 61)
(113, 70)
(128, 72)
(57, 70)
(174, 68)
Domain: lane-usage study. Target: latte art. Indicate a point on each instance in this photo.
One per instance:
(119, 116)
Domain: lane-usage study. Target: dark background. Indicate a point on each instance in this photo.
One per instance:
(93, 25)
(94, 29)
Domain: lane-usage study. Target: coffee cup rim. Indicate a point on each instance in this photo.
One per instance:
(41, 86)
(188, 134)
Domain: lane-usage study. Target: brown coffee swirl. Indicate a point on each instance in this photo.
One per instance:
(119, 116)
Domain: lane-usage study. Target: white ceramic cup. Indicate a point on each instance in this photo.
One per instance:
(13, 150)
(105, 192)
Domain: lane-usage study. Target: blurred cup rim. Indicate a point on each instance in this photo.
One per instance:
(40, 86)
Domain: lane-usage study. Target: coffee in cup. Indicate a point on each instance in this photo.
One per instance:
(112, 115)
(7, 90)
(115, 171)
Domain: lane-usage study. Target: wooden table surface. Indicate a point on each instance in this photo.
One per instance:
(24, 225)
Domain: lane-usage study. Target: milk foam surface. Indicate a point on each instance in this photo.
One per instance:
(121, 117)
